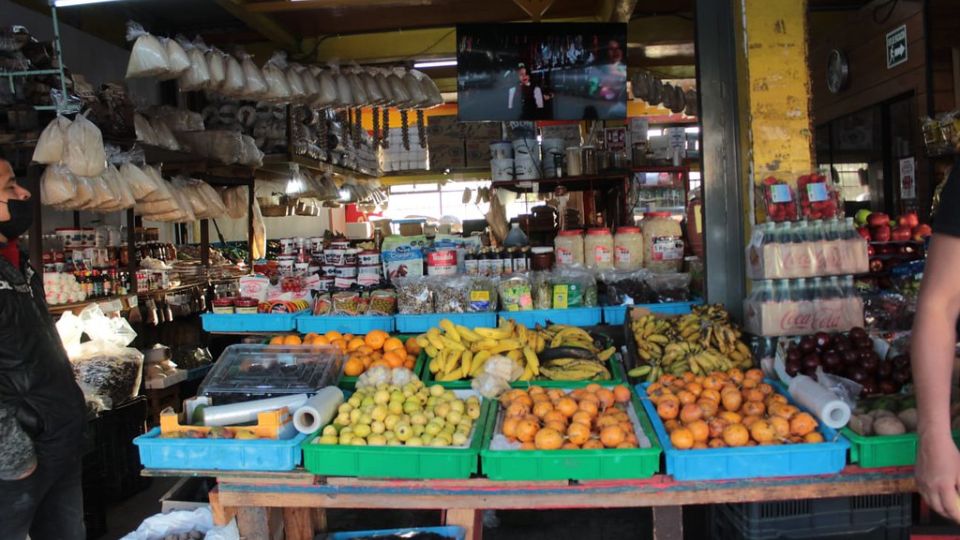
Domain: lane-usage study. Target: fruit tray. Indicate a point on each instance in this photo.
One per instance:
(749, 462)
(420, 462)
(591, 464)
(618, 376)
(583, 316)
(872, 451)
(422, 322)
(347, 382)
(354, 324)
(615, 315)
(219, 454)
(275, 424)
(250, 322)
(450, 531)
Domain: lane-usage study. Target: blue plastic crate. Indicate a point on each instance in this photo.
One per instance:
(583, 316)
(749, 462)
(354, 324)
(249, 322)
(450, 531)
(615, 315)
(219, 454)
(421, 323)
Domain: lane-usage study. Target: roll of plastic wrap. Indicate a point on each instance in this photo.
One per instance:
(318, 410)
(242, 413)
(822, 402)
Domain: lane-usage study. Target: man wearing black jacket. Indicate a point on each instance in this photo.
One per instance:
(42, 410)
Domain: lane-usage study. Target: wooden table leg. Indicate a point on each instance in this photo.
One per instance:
(667, 523)
(298, 523)
(221, 514)
(469, 519)
(320, 519)
(258, 523)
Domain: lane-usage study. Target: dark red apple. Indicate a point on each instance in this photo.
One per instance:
(920, 232)
(869, 386)
(885, 370)
(886, 386)
(870, 362)
(877, 219)
(901, 234)
(808, 344)
(910, 219)
(880, 233)
(811, 361)
(865, 233)
(857, 332)
(832, 361)
(793, 367)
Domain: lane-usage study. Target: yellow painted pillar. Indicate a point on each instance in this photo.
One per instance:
(774, 93)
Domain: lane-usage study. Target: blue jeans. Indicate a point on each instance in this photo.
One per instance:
(47, 505)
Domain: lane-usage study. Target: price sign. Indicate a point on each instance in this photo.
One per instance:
(780, 193)
(615, 138)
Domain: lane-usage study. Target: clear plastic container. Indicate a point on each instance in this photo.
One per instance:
(662, 243)
(244, 372)
(628, 248)
(568, 247)
(598, 249)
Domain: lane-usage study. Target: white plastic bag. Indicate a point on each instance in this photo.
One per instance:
(140, 184)
(148, 57)
(417, 97)
(198, 204)
(197, 76)
(236, 201)
(57, 186)
(311, 86)
(345, 97)
(102, 196)
(278, 90)
(327, 97)
(357, 89)
(144, 130)
(430, 90)
(84, 154)
(249, 153)
(401, 97)
(235, 81)
(298, 89)
(50, 146)
(165, 137)
(215, 206)
(374, 95)
(381, 77)
(217, 64)
(162, 192)
(255, 86)
(176, 523)
(123, 196)
(177, 58)
(259, 248)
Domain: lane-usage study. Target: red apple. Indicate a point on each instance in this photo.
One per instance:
(876, 265)
(865, 233)
(910, 219)
(921, 231)
(901, 234)
(880, 233)
(878, 219)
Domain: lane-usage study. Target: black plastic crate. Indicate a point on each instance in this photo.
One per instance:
(881, 517)
(115, 454)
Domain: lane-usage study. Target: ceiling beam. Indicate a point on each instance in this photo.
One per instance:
(660, 29)
(390, 46)
(623, 10)
(266, 26)
(302, 5)
(534, 8)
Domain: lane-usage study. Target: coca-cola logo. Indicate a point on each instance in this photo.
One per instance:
(826, 318)
(797, 259)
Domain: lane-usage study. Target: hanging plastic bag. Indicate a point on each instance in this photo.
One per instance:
(162, 193)
(344, 96)
(83, 197)
(215, 206)
(124, 196)
(255, 86)
(140, 184)
(374, 95)
(101, 194)
(165, 137)
(298, 88)
(177, 58)
(197, 76)
(236, 201)
(417, 96)
(50, 146)
(197, 203)
(259, 247)
(84, 154)
(430, 90)
(57, 186)
(235, 81)
(328, 89)
(144, 130)
(249, 153)
(104, 365)
(311, 86)
(380, 76)
(357, 89)
(217, 65)
(278, 90)
(401, 97)
(148, 57)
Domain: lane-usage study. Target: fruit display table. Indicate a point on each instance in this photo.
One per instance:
(295, 501)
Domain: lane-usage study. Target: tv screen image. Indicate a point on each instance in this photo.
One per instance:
(542, 71)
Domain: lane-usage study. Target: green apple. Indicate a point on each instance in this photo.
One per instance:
(436, 390)
(426, 438)
(397, 395)
(473, 410)
(459, 439)
(442, 409)
(355, 416)
(328, 439)
(344, 408)
(415, 441)
(361, 430)
(379, 412)
(329, 430)
(439, 441)
(394, 442)
(381, 397)
(418, 429)
(391, 421)
(377, 427)
(411, 407)
(458, 405)
(358, 441)
(418, 419)
(377, 440)
(433, 428)
(454, 417)
(367, 401)
(861, 217)
(404, 431)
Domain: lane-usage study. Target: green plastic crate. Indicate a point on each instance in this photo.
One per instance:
(350, 383)
(617, 373)
(875, 451)
(419, 462)
(600, 464)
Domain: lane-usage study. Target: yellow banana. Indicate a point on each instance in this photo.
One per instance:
(492, 333)
(506, 345)
(451, 344)
(532, 361)
(450, 329)
(432, 351)
(436, 340)
(467, 334)
(466, 362)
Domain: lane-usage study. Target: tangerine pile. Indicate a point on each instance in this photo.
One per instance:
(728, 409)
(376, 348)
(590, 418)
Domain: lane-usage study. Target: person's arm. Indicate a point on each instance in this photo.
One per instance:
(932, 351)
(17, 457)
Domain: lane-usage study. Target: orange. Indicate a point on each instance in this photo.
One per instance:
(763, 432)
(802, 424)
(340, 344)
(736, 435)
(716, 443)
(749, 420)
(553, 416)
(578, 433)
(517, 409)
(682, 439)
(567, 406)
(753, 374)
(671, 425)
(528, 446)
(276, 340)
(686, 397)
(612, 436)
(699, 445)
(708, 406)
(690, 412)
(700, 430)
(333, 335)
(353, 367)
(582, 417)
(710, 393)
(555, 395)
(393, 359)
(781, 426)
(749, 384)
(592, 444)
(321, 340)
(592, 388)
(309, 338)
(392, 344)
(753, 394)
(735, 375)
(535, 390)
(668, 409)
(412, 347)
(731, 417)
(712, 382)
(765, 388)
(570, 446)
(589, 407)
(292, 340)
(731, 400)
(354, 344)
(784, 411)
(509, 427)
(753, 408)
(607, 398)
(541, 408)
(621, 393)
(526, 430)
(813, 437)
(548, 439)
(716, 426)
(694, 388)
(376, 338)
(556, 426)
(410, 363)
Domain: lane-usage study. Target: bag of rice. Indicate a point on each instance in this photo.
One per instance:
(401, 97)
(197, 77)
(144, 130)
(374, 95)
(217, 64)
(148, 57)
(57, 186)
(278, 90)
(235, 81)
(298, 88)
(430, 89)
(177, 56)
(140, 184)
(328, 89)
(49, 147)
(84, 154)
(417, 97)
(255, 86)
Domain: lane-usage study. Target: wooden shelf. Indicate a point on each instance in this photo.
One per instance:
(280, 164)
(77, 307)
(572, 183)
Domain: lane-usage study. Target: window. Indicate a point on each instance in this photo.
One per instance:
(434, 201)
(852, 180)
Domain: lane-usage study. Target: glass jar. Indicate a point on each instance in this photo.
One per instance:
(568, 247)
(598, 249)
(628, 248)
(541, 258)
(662, 243)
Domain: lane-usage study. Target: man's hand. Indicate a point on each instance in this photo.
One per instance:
(938, 475)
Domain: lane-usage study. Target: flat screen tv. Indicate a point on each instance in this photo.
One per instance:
(542, 71)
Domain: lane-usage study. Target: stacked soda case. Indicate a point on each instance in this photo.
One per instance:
(806, 249)
(803, 306)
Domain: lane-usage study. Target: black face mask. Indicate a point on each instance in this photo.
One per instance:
(21, 217)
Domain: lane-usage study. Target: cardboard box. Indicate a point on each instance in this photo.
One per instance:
(446, 153)
(444, 126)
(477, 153)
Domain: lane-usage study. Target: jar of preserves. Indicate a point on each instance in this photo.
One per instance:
(662, 243)
(541, 258)
(568, 248)
(598, 249)
(628, 248)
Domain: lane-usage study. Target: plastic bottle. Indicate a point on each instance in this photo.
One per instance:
(516, 237)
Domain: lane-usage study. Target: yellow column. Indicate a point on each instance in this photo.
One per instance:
(774, 94)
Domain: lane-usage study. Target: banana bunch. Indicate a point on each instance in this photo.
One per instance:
(457, 352)
(703, 341)
(572, 355)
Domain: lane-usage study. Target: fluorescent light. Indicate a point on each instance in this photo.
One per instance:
(70, 3)
(435, 63)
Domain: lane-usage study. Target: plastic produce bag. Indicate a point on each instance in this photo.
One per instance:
(417, 97)
(217, 65)
(254, 86)
(57, 186)
(235, 199)
(235, 81)
(401, 96)
(278, 89)
(145, 132)
(430, 90)
(162, 192)
(84, 154)
(259, 248)
(101, 194)
(148, 57)
(84, 194)
(124, 196)
(370, 86)
(198, 203)
(381, 77)
(177, 57)
(311, 86)
(357, 89)
(177, 524)
(215, 206)
(298, 89)
(249, 153)
(328, 95)
(344, 96)
(50, 145)
(165, 137)
(179, 119)
(140, 184)
(197, 76)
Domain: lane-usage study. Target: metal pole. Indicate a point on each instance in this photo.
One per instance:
(723, 174)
